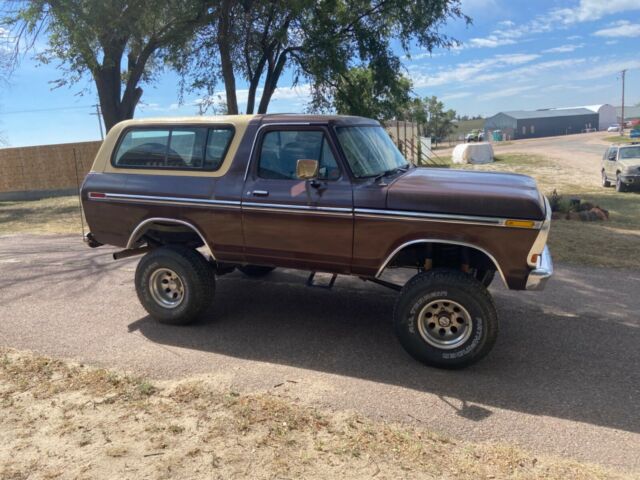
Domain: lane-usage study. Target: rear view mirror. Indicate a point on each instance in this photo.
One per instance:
(307, 169)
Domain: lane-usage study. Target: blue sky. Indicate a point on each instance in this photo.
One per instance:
(516, 55)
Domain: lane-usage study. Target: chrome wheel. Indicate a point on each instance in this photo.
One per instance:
(166, 288)
(445, 324)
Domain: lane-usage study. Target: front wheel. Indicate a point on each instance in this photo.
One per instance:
(175, 284)
(446, 319)
(620, 186)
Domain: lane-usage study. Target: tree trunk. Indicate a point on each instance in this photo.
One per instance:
(226, 63)
(271, 82)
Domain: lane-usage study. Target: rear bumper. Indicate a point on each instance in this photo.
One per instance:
(538, 277)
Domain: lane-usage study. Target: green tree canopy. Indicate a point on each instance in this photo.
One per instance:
(431, 113)
(120, 43)
(320, 40)
(358, 93)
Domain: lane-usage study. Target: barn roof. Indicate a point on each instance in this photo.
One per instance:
(527, 114)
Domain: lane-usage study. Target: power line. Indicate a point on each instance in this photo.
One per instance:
(37, 110)
(624, 72)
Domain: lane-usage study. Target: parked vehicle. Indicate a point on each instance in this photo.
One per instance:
(621, 164)
(474, 136)
(613, 128)
(635, 133)
(201, 197)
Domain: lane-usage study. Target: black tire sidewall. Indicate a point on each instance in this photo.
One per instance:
(475, 301)
(195, 285)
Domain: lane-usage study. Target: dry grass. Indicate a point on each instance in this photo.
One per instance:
(70, 421)
(49, 215)
(619, 139)
(608, 244)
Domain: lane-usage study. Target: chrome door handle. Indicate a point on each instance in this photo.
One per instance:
(260, 193)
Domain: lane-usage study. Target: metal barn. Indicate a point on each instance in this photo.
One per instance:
(542, 123)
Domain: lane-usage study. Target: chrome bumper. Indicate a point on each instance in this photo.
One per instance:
(543, 271)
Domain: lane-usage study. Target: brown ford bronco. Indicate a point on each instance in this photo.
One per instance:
(201, 197)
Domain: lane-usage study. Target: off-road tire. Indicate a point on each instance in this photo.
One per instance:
(457, 288)
(196, 275)
(256, 270)
(620, 187)
(605, 182)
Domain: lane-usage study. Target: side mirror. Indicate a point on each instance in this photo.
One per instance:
(612, 157)
(307, 169)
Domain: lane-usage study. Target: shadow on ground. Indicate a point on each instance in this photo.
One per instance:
(547, 361)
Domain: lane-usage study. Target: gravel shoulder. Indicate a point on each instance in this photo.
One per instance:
(564, 378)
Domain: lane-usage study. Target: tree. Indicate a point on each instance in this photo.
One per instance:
(358, 93)
(120, 43)
(437, 121)
(320, 41)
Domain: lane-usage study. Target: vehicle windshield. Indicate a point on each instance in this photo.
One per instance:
(370, 151)
(630, 152)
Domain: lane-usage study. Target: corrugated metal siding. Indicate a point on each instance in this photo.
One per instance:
(549, 127)
(542, 126)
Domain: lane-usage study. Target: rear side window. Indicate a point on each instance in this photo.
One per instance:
(181, 148)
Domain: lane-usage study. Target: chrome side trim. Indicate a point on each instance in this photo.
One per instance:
(439, 217)
(150, 199)
(448, 242)
(541, 240)
(287, 206)
(257, 134)
(538, 277)
(139, 230)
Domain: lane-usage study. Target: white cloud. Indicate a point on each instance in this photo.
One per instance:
(455, 96)
(492, 41)
(510, 33)
(505, 92)
(589, 10)
(611, 42)
(472, 72)
(623, 28)
(609, 69)
(564, 48)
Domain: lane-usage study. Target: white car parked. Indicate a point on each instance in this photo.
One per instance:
(614, 128)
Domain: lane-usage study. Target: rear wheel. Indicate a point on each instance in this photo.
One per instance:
(620, 186)
(605, 182)
(446, 319)
(175, 284)
(256, 270)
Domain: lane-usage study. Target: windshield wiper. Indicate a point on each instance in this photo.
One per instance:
(391, 171)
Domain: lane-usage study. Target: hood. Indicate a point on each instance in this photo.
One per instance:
(463, 192)
(630, 163)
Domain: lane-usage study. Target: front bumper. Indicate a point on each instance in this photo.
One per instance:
(544, 270)
(630, 180)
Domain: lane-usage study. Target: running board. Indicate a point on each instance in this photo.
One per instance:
(326, 286)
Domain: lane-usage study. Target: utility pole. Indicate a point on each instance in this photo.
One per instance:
(99, 115)
(624, 72)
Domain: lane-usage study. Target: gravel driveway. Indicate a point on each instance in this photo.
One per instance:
(564, 377)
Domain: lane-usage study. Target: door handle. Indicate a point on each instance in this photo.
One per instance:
(260, 193)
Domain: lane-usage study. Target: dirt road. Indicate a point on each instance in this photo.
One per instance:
(564, 377)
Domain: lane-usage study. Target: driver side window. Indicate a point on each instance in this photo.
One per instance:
(281, 150)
